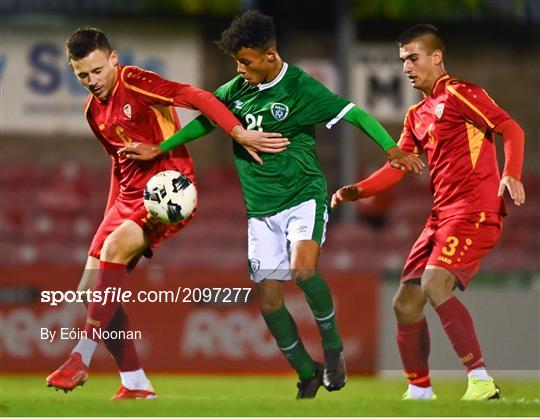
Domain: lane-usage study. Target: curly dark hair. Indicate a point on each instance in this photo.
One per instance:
(85, 40)
(429, 34)
(251, 29)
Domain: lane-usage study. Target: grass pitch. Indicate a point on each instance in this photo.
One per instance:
(252, 395)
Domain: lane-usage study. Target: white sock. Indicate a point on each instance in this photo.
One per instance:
(135, 380)
(86, 347)
(420, 393)
(479, 374)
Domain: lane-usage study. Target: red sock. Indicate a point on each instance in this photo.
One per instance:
(99, 315)
(413, 344)
(458, 325)
(122, 350)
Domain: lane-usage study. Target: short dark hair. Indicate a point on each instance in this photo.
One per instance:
(429, 34)
(251, 29)
(85, 40)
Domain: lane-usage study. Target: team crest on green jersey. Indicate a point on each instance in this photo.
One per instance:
(279, 111)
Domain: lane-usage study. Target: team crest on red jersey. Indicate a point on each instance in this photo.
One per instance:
(127, 110)
(439, 109)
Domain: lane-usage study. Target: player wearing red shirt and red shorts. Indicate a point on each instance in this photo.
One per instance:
(128, 104)
(454, 126)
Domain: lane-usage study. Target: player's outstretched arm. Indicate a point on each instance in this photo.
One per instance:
(252, 141)
(514, 144)
(154, 89)
(404, 161)
(381, 180)
(259, 141)
(214, 109)
(197, 128)
(345, 194)
(374, 130)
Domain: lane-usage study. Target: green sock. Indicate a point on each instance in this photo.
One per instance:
(319, 299)
(283, 328)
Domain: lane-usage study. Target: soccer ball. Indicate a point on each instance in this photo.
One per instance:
(170, 196)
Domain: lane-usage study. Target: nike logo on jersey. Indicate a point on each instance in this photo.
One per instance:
(238, 104)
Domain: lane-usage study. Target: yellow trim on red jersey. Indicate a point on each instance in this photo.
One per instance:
(490, 98)
(88, 102)
(470, 105)
(446, 76)
(142, 91)
(115, 88)
(476, 137)
(165, 119)
(405, 120)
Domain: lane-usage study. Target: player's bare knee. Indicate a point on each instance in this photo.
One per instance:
(429, 287)
(111, 248)
(397, 305)
(116, 250)
(270, 306)
(408, 303)
(270, 302)
(302, 274)
(435, 291)
(403, 307)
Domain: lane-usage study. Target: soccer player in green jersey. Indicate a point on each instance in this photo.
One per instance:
(286, 196)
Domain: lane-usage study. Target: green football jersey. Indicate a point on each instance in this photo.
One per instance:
(291, 104)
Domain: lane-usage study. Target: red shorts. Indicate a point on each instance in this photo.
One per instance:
(134, 211)
(456, 244)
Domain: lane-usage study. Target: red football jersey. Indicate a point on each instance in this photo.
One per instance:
(453, 127)
(141, 108)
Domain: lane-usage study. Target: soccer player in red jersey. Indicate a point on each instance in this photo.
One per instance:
(126, 104)
(454, 126)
